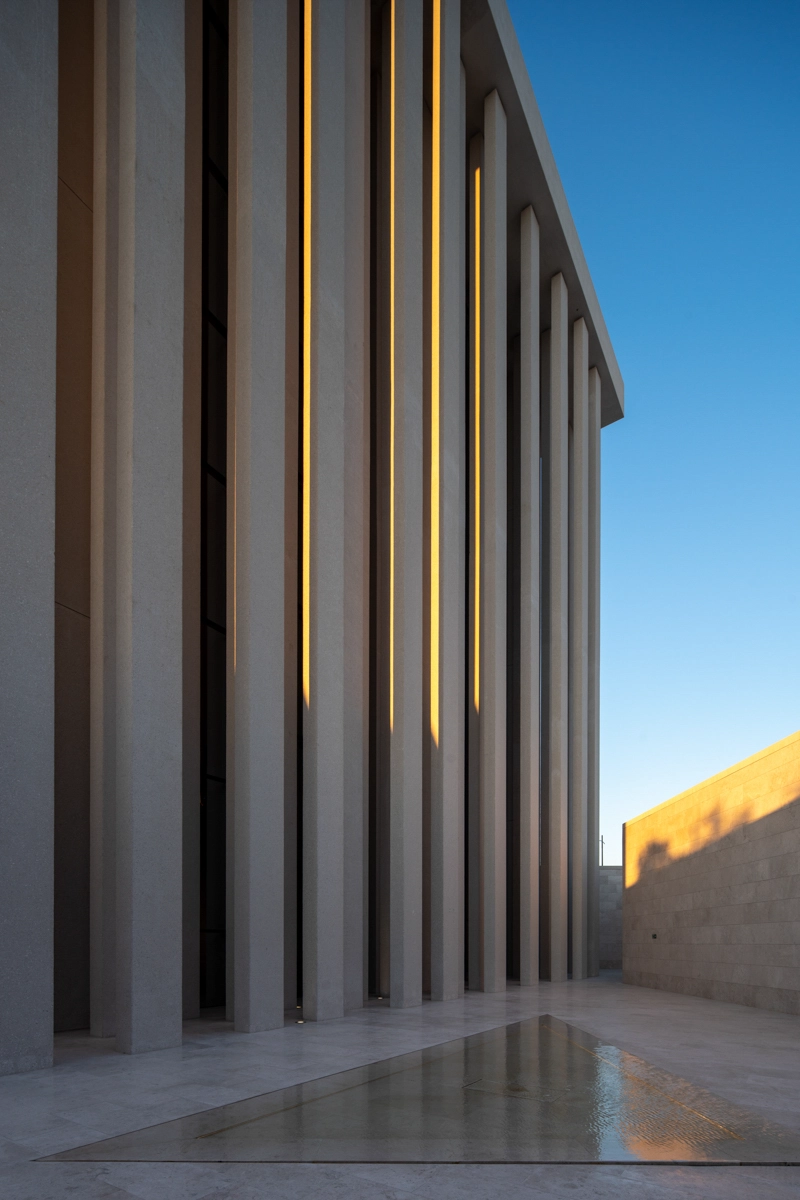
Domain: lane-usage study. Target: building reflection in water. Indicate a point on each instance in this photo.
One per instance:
(536, 1091)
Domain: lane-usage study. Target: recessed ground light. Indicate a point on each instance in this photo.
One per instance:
(299, 1021)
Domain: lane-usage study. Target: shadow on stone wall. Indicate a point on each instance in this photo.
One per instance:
(723, 921)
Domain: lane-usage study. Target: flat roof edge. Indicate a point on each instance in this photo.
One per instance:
(524, 88)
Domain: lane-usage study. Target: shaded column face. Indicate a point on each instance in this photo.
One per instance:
(493, 583)
(593, 681)
(578, 648)
(103, 692)
(324, 421)
(555, 731)
(473, 882)
(378, 840)
(528, 650)
(515, 667)
(486, 573)
(356, 499)
(27, 494)
(260, 391)
(149, 526)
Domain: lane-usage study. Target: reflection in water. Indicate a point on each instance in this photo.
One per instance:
(536, 1091)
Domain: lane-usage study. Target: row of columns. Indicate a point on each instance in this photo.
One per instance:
(570, 644)
(138, 750)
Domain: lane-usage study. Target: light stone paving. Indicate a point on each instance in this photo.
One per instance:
(746, 1056)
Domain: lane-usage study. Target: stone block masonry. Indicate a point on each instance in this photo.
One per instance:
(610, 918)
(712, 886)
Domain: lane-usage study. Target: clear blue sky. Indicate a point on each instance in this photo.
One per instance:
(676, 130)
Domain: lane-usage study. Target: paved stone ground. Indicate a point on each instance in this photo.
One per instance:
(747, 1056)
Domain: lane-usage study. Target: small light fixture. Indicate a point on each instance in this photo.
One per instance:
(299, 1021)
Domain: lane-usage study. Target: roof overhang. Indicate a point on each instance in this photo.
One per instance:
(493, 60)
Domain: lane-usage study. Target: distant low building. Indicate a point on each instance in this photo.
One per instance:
(610, 918)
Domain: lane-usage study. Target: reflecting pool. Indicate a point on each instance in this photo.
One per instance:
(538, 1091)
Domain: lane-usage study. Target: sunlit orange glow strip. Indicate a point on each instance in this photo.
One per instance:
(477, 306)
(392, 155)
(636, 1078)
(307, 354)
(436, 185)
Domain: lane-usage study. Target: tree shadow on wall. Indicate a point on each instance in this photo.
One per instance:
(721, 919)
(708, 830)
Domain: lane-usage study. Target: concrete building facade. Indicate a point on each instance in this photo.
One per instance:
(303, 382)
(712, 886)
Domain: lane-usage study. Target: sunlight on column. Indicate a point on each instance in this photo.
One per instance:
(477, 585)
(392, 181)
(306, 416)
(436, 181)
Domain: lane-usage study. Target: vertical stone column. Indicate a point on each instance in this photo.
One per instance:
(328, 420)
(493, 551)
(593, 681)
(257, 467)
(447, 520)
(323, 422)
(555, 731)
(103, 571)
(578, 643)
(149, 525)
(356, 500)
(474, 904)
(529, 599)
(406, 508)
(29, 146)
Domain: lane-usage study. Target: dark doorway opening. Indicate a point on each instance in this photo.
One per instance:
(213, 576)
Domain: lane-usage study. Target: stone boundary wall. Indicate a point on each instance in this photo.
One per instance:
(711, 902)
(610, 918)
